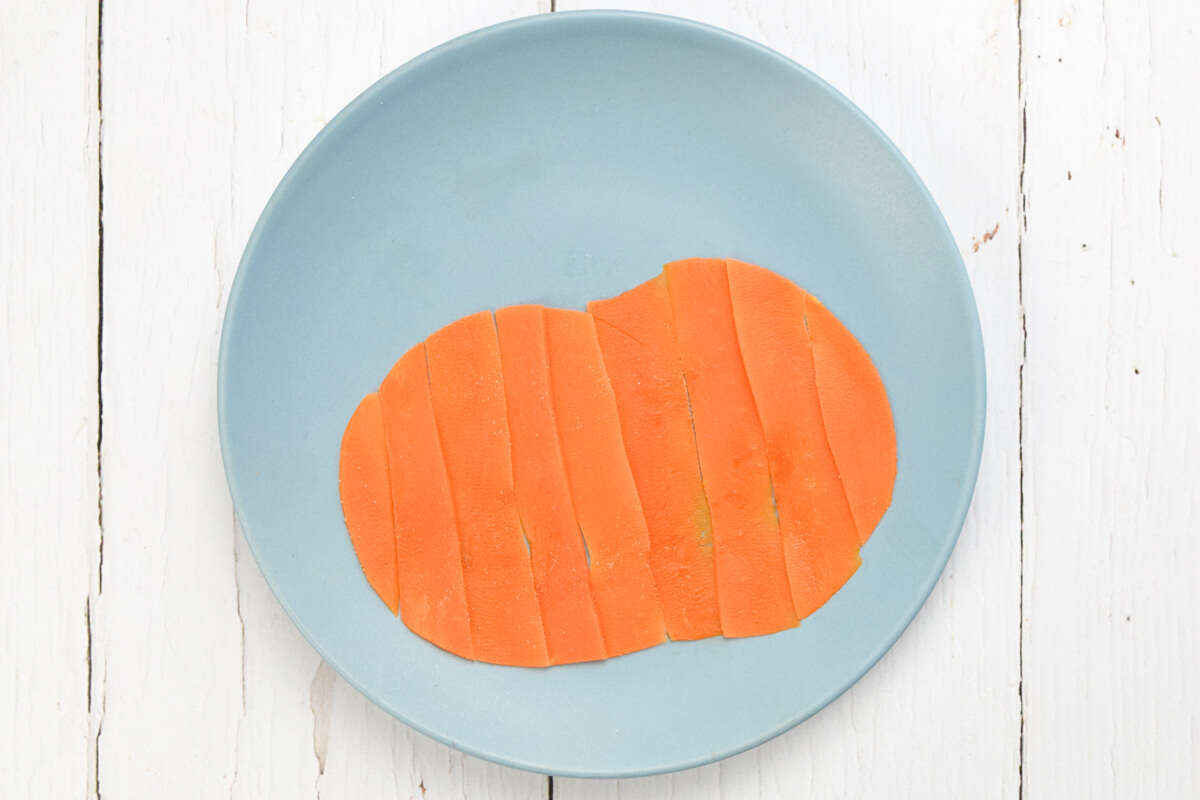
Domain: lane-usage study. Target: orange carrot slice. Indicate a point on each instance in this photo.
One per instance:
(366, 499)
(560, 569)
(602, 488)
(637, 336)
(433, 600)
(752, 582)
(857, 414)
(820, 540)
(467, 385)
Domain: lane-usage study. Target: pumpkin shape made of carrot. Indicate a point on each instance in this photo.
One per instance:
(702, 455)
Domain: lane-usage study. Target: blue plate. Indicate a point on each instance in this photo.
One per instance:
(553, 160)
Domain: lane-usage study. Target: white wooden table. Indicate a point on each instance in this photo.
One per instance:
(141, 653)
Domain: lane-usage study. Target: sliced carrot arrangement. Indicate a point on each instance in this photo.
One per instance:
(367, 501)
(602, 488)
(433, 600)
(752, 582)
(637, 336)
(858, 417)
(820, 540)
(560, 569)
(701, 455)
(467, 386)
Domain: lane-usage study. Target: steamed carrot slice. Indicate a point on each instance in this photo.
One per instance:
(560, 569)
(637, 336)
(366, 500)
(752, 582)
(858, 417)
(602, 488)
(433, 600)
(467, 385)
(820, 540)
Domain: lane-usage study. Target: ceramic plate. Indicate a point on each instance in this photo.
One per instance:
(553, 160)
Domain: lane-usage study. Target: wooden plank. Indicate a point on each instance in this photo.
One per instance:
(1111, 276)
(940, 715)
(173, 676)
(49, 527)
(209, 689)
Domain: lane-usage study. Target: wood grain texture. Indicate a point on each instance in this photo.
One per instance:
(1112, 436)
(49, 526)
(208, 689)
(172, 647)
(940, 78)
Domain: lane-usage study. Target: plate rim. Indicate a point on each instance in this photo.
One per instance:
(466, 40)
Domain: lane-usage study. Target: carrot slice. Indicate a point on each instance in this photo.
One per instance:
(366, 499)
(467, 385)
(602, 488)
(820, 540)
(752, 582)
(858, 417)
(560, 569)
(637, 336)
(433, 600)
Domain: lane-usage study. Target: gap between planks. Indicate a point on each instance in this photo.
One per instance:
(1023, 140)
(95, 693)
